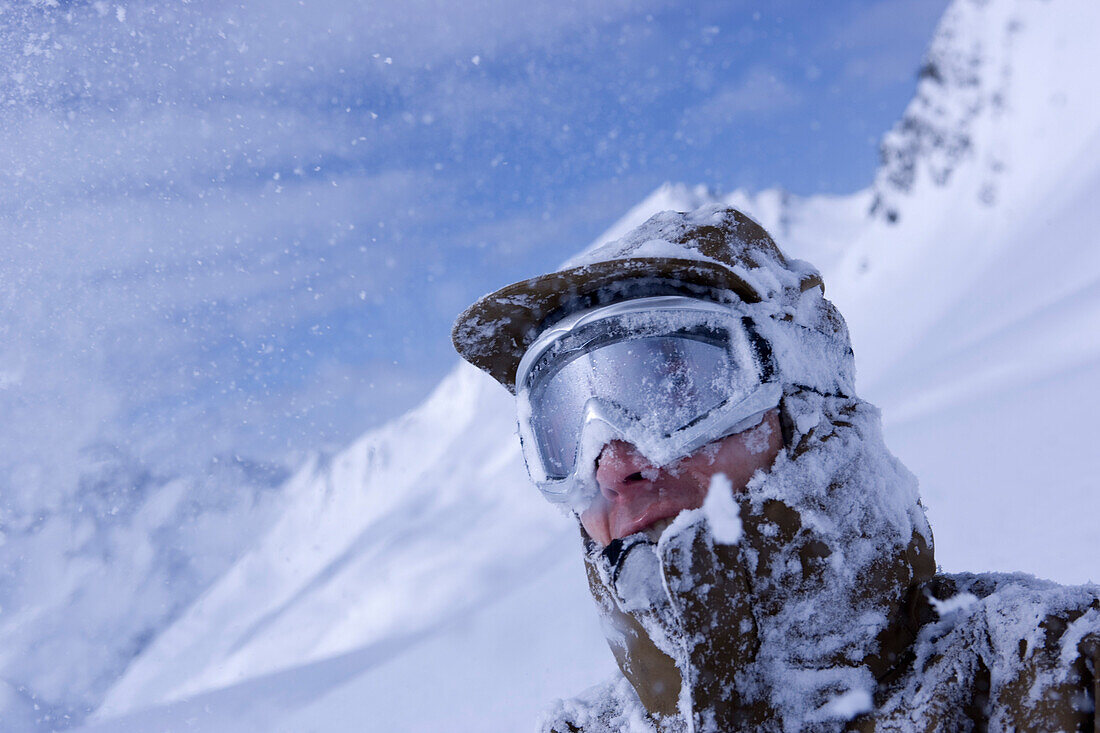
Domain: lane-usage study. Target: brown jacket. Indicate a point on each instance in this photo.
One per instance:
(828, 614)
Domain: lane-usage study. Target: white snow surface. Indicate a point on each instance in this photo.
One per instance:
(416, 581)
(848, 705)
(723, 516)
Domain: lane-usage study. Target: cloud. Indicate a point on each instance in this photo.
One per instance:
(278, 47)
(210, 208)
(760, 93)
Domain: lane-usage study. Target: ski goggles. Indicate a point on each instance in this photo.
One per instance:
(668, 374)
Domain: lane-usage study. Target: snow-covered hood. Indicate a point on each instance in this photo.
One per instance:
(716, 253)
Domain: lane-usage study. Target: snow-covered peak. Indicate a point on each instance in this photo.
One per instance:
(1016, 82)
(963, 89)
(668, 197)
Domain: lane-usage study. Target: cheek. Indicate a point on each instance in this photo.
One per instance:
(741, 457)
(739, 466)
(758, 441)
(764, 440)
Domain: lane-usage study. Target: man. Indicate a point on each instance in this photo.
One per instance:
(760, 560)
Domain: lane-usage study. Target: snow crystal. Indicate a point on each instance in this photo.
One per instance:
(610, 706)
(955, 603)
(658, 248)
(684, 520)
(639, 584)
(756, 440)
(721, 511)
(848, 705)
(805, 422)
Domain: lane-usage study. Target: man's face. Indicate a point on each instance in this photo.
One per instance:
(635, 495)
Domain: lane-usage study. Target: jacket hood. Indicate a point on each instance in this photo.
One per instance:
(715, 252)
(798, 620)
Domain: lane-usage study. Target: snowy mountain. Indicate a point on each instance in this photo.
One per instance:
(137, 546)
(415, 581)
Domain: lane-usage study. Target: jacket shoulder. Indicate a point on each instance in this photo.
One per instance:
(1003, 651)
(1044, 645)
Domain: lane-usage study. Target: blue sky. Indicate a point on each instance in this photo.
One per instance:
(246, 227)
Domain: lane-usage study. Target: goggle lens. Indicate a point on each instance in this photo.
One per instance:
(663, 382)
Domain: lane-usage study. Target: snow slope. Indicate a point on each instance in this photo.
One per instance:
(91, 573)
(976, 318)
(416, 582)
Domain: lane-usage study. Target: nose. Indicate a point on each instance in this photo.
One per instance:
(621, 468)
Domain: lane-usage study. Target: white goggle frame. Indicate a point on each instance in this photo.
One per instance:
(604, 422)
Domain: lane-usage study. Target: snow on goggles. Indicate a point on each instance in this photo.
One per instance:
(668, 374)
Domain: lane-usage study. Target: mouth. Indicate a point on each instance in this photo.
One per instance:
(653, 520)
(655, 530)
